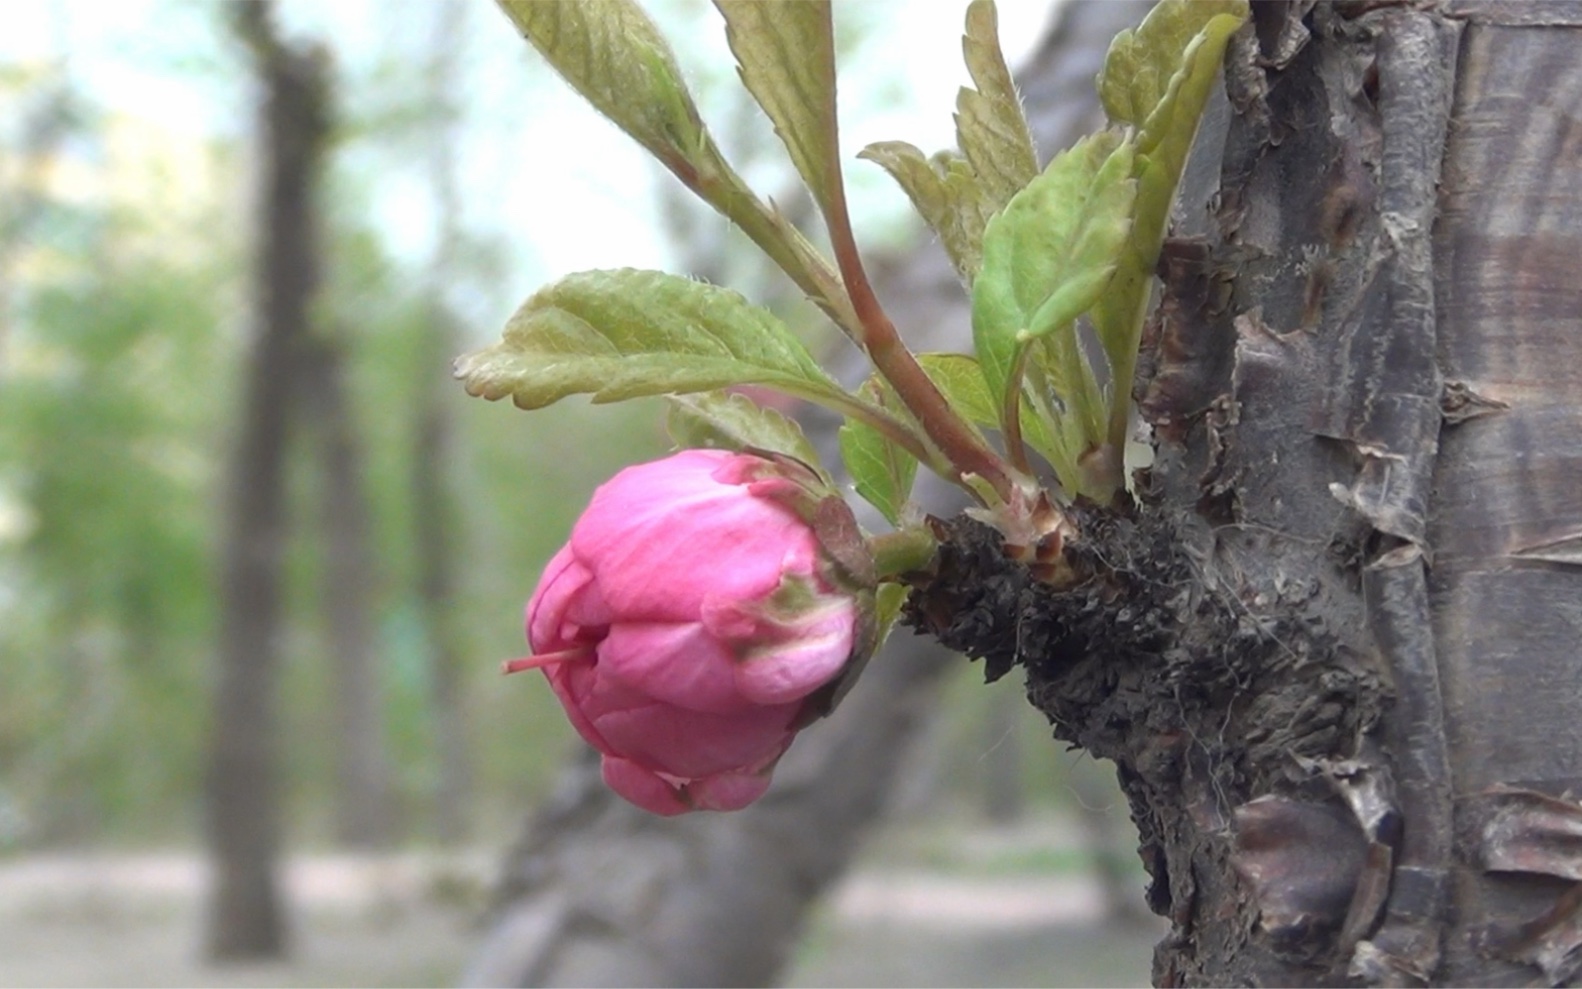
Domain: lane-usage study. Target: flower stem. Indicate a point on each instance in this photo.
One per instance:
(902, 551)
(960, 444)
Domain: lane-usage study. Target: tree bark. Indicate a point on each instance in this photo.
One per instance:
(600, 893)
(243, 808)
(1332, 648)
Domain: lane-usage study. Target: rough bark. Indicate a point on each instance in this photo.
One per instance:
(243, 809)
(1332, 648)
(599, 893)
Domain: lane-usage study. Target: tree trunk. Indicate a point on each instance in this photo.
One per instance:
(433, 458)
(363, 775)
(1333, 648)
(243, 820)
(599, 893)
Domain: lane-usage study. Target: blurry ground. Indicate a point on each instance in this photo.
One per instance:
(934, 908)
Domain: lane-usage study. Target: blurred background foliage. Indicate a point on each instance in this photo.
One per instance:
(124, 246)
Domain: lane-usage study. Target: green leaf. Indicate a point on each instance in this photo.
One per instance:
(946, 193)
(1157, 78)
(1048, 256)
(730, 421)
(785, 50)
(616, 58)
(990, 125)
(958, 191)
(1152, 74)
(960, 379)
(880, 470)
(887, 606)
(624, 334)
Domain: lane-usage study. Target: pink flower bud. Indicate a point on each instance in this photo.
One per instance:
(690, 623)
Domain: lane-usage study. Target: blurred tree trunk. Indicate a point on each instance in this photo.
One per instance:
(433, 455)
(363, 775)
(599, 893)
(1334, 650)
(243, 812)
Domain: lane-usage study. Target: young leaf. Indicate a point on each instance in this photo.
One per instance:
(627, 333)
(960, 379)
(785, 50)
(881, 471)
(1050, 253)
(958, 191)
(945, 192)
(1157, 78)
(990, 125)
(616, 58)
(730, 421)
(1175, 50)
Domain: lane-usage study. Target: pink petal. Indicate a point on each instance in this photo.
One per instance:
(643, 787)
(784, 652)
(661, 536)
(692, 744)
(553, 604)
(679, 664)
(728, 791)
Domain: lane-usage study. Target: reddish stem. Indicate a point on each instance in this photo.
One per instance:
(960, 444)
(545, 659)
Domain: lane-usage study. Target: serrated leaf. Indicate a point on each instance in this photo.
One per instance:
(1157, 78)
(785, 51)
(616, 58)
(881, 471)
(1147, 68)
(627, 333)
(1048, 256)
(958, 191)
(945, 193)
(731, 421)
(960, 379)
(990, 125)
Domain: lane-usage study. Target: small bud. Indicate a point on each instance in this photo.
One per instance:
(691, 624)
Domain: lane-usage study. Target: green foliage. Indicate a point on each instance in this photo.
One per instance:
(1156, 78)
(730, 421)
(616, 58)
(1039, 250)
(107, 421)
(945, 191)
(624, 334)
(1046, 259)
(990, 124)
(962, 382)
(786, 54)
(612, 54)
(957, 192)
(881, 470)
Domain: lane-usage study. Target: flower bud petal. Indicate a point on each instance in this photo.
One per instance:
(728, 791)
(707, 607)
(643, 787)
(643, 655)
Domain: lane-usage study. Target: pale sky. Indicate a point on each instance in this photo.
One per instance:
(567, 190)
